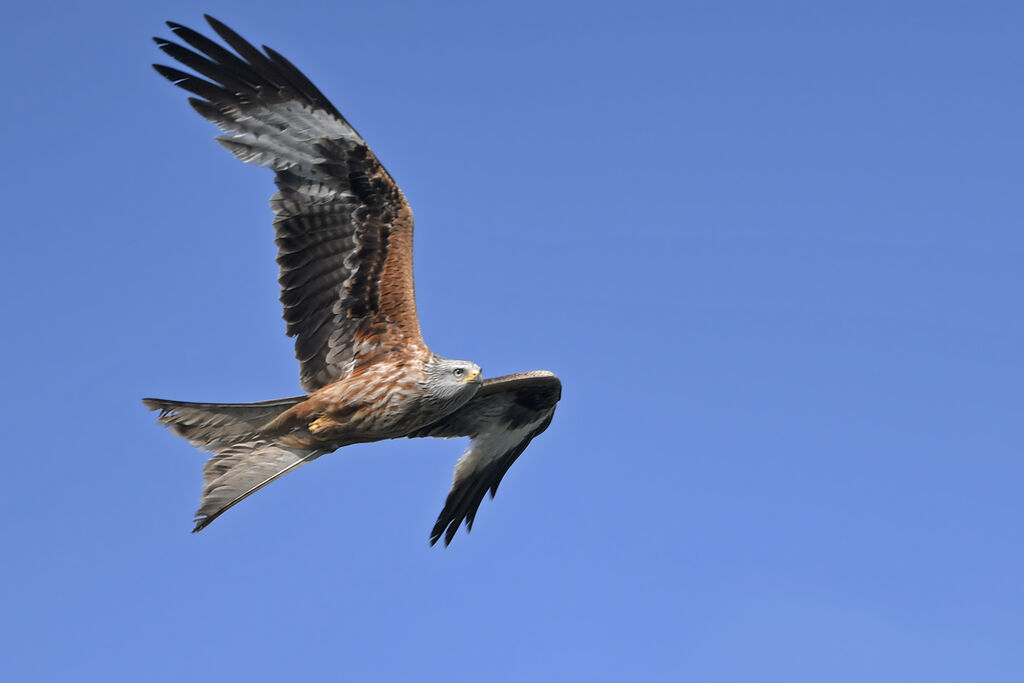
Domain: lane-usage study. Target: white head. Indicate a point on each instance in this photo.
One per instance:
(452, 382)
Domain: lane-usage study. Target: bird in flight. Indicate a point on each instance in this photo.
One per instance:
(344, 237)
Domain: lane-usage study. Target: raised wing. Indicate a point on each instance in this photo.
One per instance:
(344, 230)
(501, 420)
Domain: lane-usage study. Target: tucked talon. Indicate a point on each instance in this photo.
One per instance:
(321, 427)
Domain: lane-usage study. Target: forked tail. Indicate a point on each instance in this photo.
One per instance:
(242, 469)
(244, 460)
(211, 426)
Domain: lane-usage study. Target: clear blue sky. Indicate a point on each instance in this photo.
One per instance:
(775, 254)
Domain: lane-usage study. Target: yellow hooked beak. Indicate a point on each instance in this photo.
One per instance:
(470, 377)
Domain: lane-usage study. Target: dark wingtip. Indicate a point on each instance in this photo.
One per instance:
(442, 528)
(171, 74)
(435, 533)
(452, 530)
(204, 108)
(216, 24)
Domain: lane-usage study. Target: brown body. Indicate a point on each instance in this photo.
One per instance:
(375, 402)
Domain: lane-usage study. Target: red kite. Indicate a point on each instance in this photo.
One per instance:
(344, 238)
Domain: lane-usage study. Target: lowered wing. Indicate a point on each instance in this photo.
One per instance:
(500, 420)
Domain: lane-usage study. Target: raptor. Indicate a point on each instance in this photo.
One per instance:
(344, 236)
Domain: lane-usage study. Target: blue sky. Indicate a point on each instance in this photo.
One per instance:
(774, 252)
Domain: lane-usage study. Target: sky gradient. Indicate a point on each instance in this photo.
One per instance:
(774, 253)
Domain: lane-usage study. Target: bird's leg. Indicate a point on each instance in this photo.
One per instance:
(323, 427)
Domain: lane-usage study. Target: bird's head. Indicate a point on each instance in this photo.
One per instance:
(453, 381)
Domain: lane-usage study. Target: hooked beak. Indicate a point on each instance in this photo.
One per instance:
(472, 377)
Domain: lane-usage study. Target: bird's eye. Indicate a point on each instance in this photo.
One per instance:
(458, 372)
